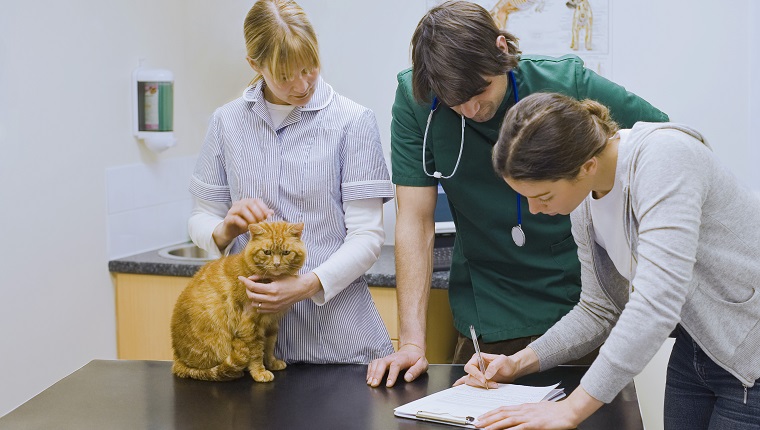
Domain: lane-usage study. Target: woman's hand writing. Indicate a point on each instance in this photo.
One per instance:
(499, 368)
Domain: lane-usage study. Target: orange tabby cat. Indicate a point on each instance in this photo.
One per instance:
(216, 331)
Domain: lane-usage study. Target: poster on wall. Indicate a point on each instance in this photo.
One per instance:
(556, 27)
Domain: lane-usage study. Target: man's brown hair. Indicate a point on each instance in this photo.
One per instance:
(454, 49)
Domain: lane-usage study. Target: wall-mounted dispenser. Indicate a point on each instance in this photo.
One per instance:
(153, 99)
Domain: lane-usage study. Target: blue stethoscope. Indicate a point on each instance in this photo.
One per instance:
(518, 235)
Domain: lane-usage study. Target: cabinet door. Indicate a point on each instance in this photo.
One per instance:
(385, 302)
(441, 335)
(144, 305)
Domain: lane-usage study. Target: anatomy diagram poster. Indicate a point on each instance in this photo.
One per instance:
(557, 27)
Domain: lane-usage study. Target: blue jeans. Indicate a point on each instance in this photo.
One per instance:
(699, 394)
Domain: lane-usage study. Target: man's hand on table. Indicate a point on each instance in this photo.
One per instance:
(409, 356)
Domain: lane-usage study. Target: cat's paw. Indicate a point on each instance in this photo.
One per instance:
(276, 364)
(262, 376)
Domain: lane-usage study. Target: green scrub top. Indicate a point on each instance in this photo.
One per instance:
(504, 290)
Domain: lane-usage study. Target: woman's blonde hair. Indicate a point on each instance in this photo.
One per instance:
(280, 38)
(548, 137)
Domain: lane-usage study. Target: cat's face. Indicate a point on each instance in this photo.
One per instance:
(276, 248)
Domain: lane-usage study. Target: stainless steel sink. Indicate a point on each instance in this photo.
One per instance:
(185, 251)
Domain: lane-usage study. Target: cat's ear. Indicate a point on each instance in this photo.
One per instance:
(255, 229)
(297, 229)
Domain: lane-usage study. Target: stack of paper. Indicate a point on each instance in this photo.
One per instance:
(460, 405)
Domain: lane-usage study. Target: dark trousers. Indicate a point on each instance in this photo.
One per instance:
(465, 349)
(700, 395)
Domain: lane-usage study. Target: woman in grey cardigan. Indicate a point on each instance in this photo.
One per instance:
(667, 239)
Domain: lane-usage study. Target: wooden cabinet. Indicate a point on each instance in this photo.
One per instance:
(144, 305)
(441, 335)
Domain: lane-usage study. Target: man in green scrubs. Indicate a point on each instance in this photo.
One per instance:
(511, 294)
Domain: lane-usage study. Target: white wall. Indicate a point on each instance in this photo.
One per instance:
(148, 205)
(691, 59)
(753, 141)
(65, 117)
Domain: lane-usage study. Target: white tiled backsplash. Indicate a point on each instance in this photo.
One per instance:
(148, 205)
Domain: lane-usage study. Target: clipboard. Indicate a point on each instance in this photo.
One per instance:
(461, 405)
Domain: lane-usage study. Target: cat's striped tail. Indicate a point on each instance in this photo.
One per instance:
(232, 368)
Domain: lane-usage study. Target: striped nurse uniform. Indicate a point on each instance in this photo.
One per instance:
(321, 155)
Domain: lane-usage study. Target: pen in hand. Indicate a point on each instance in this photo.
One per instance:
(481, 365)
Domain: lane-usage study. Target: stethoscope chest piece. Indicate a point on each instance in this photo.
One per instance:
(518, 235)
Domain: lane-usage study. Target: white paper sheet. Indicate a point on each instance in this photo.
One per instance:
(463, 401)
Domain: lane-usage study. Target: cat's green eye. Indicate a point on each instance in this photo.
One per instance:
(267, 252)
(285, 252)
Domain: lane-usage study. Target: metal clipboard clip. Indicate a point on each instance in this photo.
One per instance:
(444, 417)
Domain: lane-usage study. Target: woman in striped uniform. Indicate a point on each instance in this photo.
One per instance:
(293, 149)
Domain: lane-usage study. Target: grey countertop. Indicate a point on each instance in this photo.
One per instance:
(381, 274)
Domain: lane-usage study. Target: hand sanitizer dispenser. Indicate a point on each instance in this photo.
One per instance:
(153, 97)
